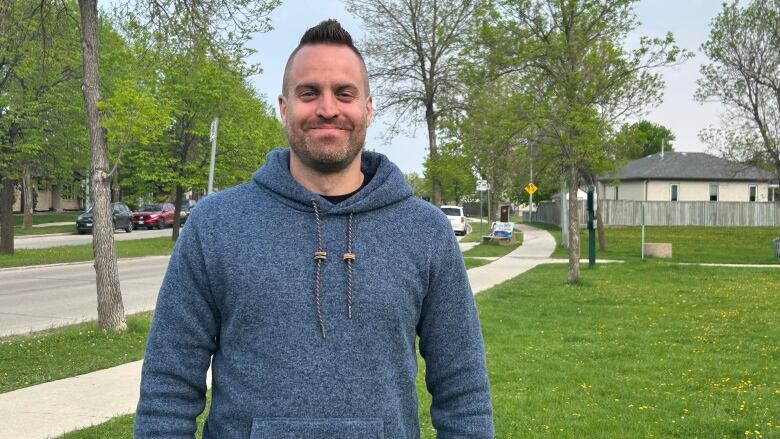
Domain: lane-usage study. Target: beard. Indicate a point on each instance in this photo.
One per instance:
(326, 155)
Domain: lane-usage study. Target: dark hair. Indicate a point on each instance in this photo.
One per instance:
(327, 32)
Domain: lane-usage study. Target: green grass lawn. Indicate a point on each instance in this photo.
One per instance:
(736, 245)
(475, 262)
(78, 253)
(42, 218)
(490, 250)
(69, 351)
(637, 350)
(21, 231)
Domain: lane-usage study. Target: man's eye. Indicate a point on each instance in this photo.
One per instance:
(308, 94)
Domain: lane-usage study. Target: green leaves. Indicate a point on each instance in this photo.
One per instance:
(744, 50)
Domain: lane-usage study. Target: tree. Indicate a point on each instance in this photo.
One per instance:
(111, 311)
(418, 184)
(569, 55)
(198, 37)
(453, 170)
(494, 130)
(744, 76)
(39, 108)
(412, 51)
(644, 138)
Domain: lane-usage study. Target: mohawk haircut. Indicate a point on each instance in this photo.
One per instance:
(327, 32)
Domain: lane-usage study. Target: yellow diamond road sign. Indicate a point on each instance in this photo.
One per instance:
(530, 188)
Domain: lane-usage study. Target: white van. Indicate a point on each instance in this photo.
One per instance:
(456, 217)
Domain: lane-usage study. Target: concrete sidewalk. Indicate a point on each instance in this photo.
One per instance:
(51, 409)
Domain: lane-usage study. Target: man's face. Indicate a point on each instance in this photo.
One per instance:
(326, 108)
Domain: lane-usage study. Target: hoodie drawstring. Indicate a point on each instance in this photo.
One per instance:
(349, 258)
(321, 256)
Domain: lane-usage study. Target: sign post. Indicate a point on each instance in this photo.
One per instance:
(482, 186)
(531, 189)
(591, 235)
(213, 138)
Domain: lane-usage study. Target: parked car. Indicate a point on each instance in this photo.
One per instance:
(186, 207)
(154, 216)
(122, 217)
(456, 217)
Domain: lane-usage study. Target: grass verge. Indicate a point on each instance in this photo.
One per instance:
(475, 262)
(490, 250)
(69, 351)
(122, 426)
(43, 218)
(634, 350)
(80, 253)
(21, 231)
(728, 245)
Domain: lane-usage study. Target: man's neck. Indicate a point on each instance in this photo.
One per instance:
(344, 182)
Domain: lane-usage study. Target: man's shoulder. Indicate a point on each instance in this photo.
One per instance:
(424, 212)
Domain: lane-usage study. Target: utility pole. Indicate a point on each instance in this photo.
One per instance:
(213, 136)
(531, 195)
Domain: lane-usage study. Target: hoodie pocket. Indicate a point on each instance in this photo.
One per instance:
(289, 428)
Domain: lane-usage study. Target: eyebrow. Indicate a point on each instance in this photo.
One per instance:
(315, 86)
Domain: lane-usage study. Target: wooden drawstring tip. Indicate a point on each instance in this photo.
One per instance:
(320, 256)
(349, 257)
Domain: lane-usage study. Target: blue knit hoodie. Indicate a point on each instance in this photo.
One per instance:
(314, 347)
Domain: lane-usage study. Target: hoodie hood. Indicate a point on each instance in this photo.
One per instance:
(387, 185)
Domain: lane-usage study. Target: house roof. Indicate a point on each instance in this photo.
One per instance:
(688, 166)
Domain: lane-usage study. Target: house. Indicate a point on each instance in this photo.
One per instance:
(53, 197)
(688, 176)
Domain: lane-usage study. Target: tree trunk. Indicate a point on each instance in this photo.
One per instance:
(177, 212)
(56, 198)
(7, 199)
(27, 199)
(433, 155)
(111, 312)
(574, 227)
(116, 194)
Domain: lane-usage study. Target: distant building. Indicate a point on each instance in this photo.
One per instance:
(688, 176)
(55, 198)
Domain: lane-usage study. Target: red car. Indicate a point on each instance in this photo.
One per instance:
(154, 216)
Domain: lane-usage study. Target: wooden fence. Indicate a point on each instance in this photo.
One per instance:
(668, 213)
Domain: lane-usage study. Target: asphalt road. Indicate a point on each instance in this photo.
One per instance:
(45, 241)
(36, 298)
(32, 299)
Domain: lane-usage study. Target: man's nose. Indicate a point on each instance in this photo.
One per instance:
(328, 107)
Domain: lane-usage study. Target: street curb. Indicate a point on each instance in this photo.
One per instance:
(61, 264)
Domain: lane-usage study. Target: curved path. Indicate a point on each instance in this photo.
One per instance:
(50, 409)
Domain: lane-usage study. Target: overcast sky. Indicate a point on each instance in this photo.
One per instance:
(688, 20)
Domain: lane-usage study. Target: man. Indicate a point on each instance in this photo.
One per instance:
(307, 288)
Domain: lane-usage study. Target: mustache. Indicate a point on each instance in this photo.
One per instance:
(338, 125)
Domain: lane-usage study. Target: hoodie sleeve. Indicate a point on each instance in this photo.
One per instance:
(451, 344)
(180, 345)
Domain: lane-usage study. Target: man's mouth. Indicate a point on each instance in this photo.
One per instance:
(327, 128)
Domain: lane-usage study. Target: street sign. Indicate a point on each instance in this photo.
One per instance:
(213, 129)
(530, 188)
(482, 186)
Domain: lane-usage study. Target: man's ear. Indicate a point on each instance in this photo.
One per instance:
(283, 109)
(370, 108)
